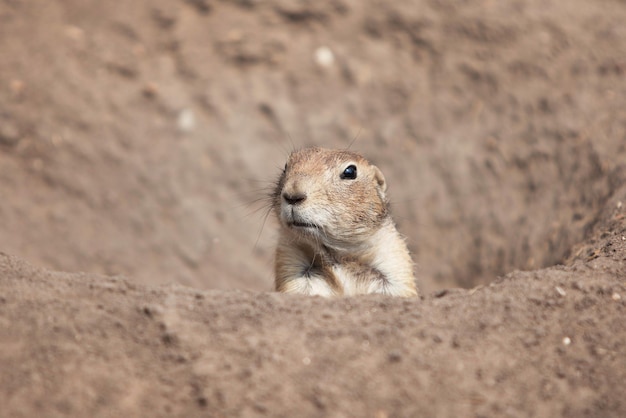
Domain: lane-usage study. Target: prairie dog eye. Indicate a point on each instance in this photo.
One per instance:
(349, 173)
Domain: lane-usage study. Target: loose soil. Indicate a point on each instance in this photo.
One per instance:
(138, 142)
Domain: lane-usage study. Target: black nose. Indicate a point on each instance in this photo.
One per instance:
(294, 199)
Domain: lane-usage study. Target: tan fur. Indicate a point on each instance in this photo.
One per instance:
(336, 235)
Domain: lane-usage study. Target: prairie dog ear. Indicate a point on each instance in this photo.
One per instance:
(380, 181)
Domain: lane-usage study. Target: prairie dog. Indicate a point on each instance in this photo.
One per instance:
(336, 235)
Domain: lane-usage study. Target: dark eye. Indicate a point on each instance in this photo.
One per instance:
(349, 172)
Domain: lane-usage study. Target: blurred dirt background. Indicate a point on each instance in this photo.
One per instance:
(137, 140)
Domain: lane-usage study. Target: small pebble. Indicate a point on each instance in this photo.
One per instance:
(324, 57)
(74, 33)
(9, 134)
(186, 120)
(394, 356)
(567, 341)
(616, 296)
(17, 87)
(150, 90)
(560, 291)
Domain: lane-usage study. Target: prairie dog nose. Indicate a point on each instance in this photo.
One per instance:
(294, 198)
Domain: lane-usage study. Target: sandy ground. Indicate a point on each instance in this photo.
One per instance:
(137, 143)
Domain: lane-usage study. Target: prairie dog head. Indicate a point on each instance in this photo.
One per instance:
(333, 197)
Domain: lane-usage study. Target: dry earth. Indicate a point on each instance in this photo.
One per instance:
(137, 141)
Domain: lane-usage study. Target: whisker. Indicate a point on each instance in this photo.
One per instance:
(355, 138)
(293, 145)
(257, 210)
(267, 213)
(259, 203)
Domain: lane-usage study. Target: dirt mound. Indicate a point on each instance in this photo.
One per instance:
(135, 140)
(542, 343)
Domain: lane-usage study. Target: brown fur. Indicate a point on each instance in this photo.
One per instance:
(336, 235)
